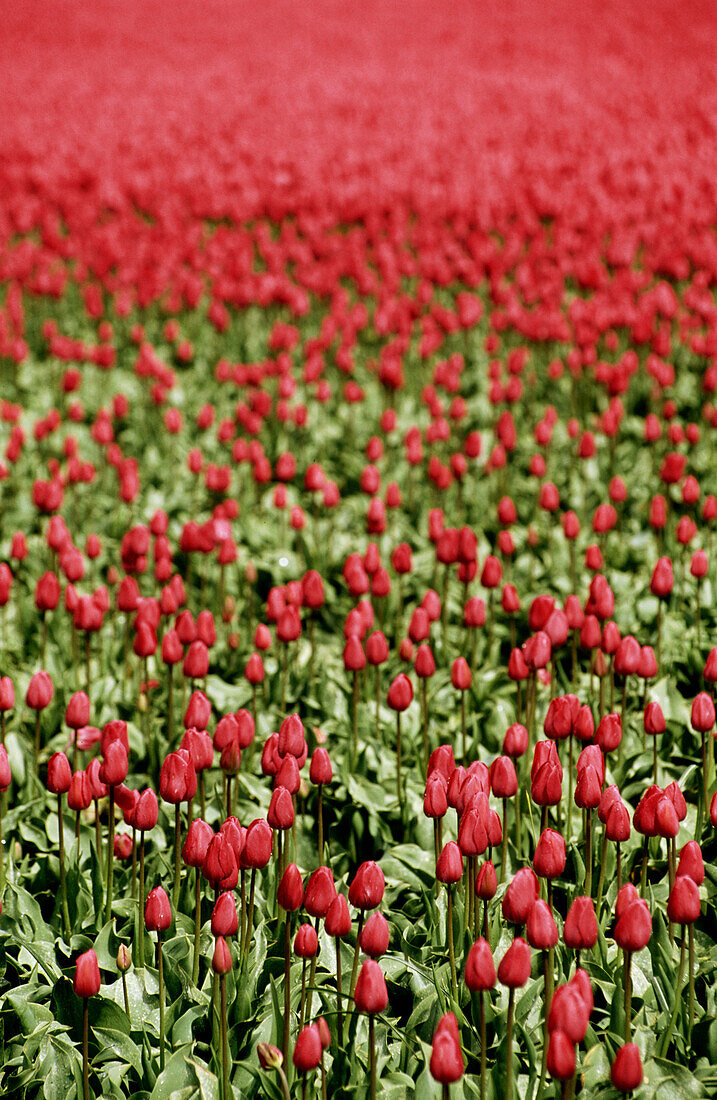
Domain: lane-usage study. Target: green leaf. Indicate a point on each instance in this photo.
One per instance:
(207, 1082)
(176, 1075)
(118, 1044)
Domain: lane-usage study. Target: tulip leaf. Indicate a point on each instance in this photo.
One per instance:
(117, 1043)
(176, 1075)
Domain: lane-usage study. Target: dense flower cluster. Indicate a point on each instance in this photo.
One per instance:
(357, 431)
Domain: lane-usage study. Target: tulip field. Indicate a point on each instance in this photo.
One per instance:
(358, 578)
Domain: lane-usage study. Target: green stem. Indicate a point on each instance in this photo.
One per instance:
(339, 993)
(312, 977)
(225, 1044)
(705, 780)
(399, 787)
(654, 759)
(451, 950)
(37, 742)
(250, 913)
(548, 997)
(160, 968)
(134, 863)
(63, 882)
(139, 961)
(126, 997)
(85, 1050)
(320, 823)
(287, 987)
(509, 1047)
(88, 661)
(357, 949)
(691, 978)
(177, 855)
(2, 853)
(372, 1048)
(463, 728)
(354, 717)
(627, 986)
(302, 1003)
(570, 787)
(588, 851)
(197, 923)
(424, 713)
(111, 854)
(483, 1052)
(170, 705)
(601, 879)
(665, 1045)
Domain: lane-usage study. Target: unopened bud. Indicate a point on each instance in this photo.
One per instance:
(269, 1057)
(124, 958)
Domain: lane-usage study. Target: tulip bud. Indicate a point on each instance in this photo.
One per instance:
(307, 1052)
(320, 892)
(561, 1056)
(634, 926)
(40, 691)
(461, 674)
(514, 968)
(541, 929)
(400, 693)
(124, 958)
(87, 974)
(157, 911)
(368, 885)
(59, 773)
(320, 771)
(520, 895)
(77, 713)
(549, 858)
(446, 1063)
(224, 915)
(683, 905)
(449, 866)
(290, 894)
(270, 1057)
(79, 793)
(626, 1070)
(338, 918)
(222, 957)
(504, 781)
(580, 931)
(258, 845)
(371, 995)
(691, 862)
(115, 766)
(435, 800)
(515, 741)
(703, 713)
(570, 1012)
(654, 719)
(220, 864)
(306, 941)
(375, 936)
(486, 883)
